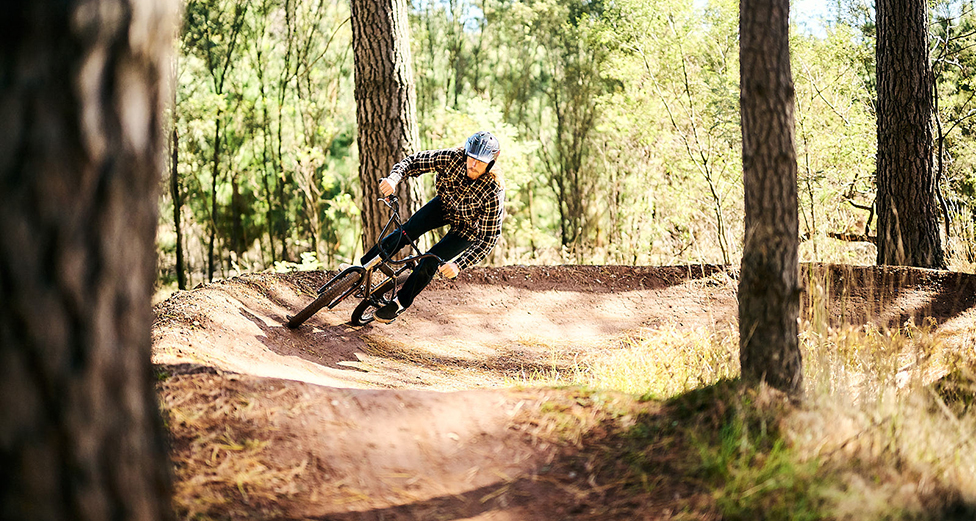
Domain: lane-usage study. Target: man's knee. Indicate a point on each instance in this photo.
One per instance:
(428, 267)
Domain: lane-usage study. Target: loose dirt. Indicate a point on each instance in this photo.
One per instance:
(425, 418)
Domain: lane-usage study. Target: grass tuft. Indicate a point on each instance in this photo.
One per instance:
(884, 430)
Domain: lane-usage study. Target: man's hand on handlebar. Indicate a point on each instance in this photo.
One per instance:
(387, 187)
(449, 270)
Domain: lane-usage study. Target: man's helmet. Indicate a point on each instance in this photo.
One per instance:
(484, 147)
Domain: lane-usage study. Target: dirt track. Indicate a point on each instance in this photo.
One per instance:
(333, 444)
(488, 324)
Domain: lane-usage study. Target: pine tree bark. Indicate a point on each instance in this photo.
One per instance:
(908, 210)
(177, 210)
(769, 297)
(81, 155)
(386, 105)
(215, 172)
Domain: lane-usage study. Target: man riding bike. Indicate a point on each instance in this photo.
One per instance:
(470, 198)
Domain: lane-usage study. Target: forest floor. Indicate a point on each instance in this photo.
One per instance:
(434, 416)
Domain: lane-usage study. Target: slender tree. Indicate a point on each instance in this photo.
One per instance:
(258, 37)
(386, 103)
(174, 185)
(215, 39)
(907, 204)
(82, 148)
(769, 297)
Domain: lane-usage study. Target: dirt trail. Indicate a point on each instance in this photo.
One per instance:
(474, 332)
(332, 421)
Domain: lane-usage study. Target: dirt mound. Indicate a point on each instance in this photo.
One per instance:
(332, 421)
(476, 331)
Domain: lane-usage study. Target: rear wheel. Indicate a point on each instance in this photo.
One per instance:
(363, 314)
(328, 296)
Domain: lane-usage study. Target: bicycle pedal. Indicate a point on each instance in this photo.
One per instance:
(391, 314)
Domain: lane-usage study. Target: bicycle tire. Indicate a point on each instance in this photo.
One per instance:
(328, 296)
(363, 314)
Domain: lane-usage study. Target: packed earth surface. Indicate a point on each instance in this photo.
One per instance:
(434, 416)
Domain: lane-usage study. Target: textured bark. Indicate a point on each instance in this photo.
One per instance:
(177, 210)
(386, 104)
(908, 211)
(81, 154)
(769, 297)
(215, 164)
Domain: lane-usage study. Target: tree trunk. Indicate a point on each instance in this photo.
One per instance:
(266, 163)
(769, 297)
(213, 198)
(908, 211)
(239, 240)
(386, 113)
(82, 153)
(177, 211)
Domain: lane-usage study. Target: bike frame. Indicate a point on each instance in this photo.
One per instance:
(358, 280)
(390, 267)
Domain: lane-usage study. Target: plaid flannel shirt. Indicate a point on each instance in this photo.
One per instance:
(474, 207)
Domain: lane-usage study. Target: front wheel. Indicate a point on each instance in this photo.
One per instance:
(328, 296)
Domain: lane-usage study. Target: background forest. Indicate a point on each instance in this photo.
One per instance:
(619, 124)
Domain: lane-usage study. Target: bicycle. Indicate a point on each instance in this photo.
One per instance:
(358, 280)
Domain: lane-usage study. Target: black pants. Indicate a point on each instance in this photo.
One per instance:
(430, 217)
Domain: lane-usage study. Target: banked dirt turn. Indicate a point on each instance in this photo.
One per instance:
(332, 421)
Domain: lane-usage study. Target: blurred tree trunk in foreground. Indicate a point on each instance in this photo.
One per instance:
(908, 211)
(81, 152)
(386, 105)
(769, 297)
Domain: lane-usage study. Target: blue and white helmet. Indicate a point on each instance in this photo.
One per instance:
(483, 146)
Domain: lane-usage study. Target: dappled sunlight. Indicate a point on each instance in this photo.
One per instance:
(348, 411)
(357, 447)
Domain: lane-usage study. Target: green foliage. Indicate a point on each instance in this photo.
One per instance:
(756, 474)
(954, 67)
(619, 123)
(309, 262)
(264, 103)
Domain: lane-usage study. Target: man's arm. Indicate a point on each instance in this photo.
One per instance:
(420, 163)
(489, 229)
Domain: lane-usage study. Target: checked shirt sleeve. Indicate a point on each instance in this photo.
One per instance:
(488, 230)
(420, 163)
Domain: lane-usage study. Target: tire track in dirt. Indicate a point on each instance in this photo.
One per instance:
(332, 421)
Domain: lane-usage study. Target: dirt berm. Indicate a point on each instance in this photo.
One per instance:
(422, 419)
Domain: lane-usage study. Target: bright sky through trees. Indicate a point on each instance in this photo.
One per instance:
(810, 15)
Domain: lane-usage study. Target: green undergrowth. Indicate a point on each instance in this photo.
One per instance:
(884, 429)
(749, 468)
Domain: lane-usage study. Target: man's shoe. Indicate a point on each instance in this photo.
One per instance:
(388, 313)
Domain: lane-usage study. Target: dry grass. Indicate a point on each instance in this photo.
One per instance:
(885, 429)
(220, 465)
(653, 363)
(879, 420)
